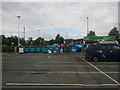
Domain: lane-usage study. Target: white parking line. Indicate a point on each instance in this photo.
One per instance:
(63, 72)
(79, 65)
(54, 84)
(60, 72)
(8, 55)
(102, 72)
(3, 57)
(47, 62)
(41, 84)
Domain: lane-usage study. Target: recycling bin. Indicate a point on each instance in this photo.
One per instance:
(38, 49)
(32, 49)
(26, 50)
(45, 50)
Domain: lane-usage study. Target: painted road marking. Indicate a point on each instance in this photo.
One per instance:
(8, 55)
(60, 72)
(102, 72)
(47, 84)
(49, 56)
(40, 62)
(3, 57)
(78, 65)
(37, 72)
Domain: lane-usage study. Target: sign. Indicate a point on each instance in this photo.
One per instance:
(100, 38)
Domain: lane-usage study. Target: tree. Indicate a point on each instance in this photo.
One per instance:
(59, 40)
(52, 41)
(14, 40)
(39, 41)
(91, 33)
(114, 32)
(4, 40)
(30, 41)
(23, 42)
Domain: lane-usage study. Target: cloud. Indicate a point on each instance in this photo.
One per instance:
(63, 15)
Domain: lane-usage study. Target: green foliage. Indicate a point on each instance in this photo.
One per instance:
(8, 43)
(9, 40)
(4, 40)
(114, 32)
(12, 40)
(39, 41)
(7, 48)
(91, 33)
(23, 42)
(30, 41)
(59, 40)
(52, 41)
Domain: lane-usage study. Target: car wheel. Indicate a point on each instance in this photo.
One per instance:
(95, 59)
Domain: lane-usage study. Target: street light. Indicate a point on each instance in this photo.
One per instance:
(67, 35)
(18, 16)
(51, 27)
(87, 25)
(38, 33)
(39, 36)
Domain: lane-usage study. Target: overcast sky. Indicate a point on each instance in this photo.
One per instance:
(65, 16)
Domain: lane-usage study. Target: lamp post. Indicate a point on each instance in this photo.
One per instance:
(87, 25)
(67, 35)
(18, 16)
(119, 18)
(38, 33)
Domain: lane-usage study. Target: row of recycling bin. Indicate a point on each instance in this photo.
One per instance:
(70, 48)
(45, 50)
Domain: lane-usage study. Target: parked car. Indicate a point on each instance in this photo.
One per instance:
(102, 51)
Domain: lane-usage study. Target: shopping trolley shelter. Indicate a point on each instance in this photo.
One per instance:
(57, 70)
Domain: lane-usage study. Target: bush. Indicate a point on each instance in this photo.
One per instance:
(7, 49)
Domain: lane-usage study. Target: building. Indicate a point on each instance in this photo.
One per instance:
(73, 41)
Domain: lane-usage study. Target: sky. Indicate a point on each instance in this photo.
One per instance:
(69, 19)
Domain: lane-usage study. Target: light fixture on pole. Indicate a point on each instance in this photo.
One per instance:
(18, 16)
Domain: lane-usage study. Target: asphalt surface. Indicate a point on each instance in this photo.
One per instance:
(60, 70)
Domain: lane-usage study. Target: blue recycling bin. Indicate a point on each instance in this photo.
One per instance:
(26, 50)
(32, 50)
(45, 50)
(38, 49)
(73, 49)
